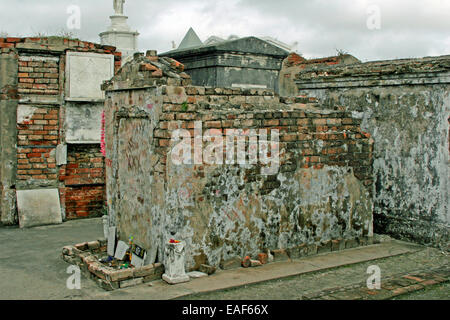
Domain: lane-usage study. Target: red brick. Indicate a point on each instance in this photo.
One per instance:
(35, 137)
(43, 122)
(39, 86)
(35, 64)
(347, 121)
(34, 155)
(6, 45)
(40, 177)
(13, 39)
(262, 257)
(39, 166)
(37, 116)
(213, 124)
(429, 282)
(26, 80)
(289, 137)
(51, 75)
(273, 122)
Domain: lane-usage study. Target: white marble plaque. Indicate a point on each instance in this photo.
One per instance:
(61, 154)
(83, 122)
(85, 72)
(38, 207)
(136, 261)
(111, 241)
(121, 249)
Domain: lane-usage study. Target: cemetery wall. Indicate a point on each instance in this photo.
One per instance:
(405, 106)
(50, 122)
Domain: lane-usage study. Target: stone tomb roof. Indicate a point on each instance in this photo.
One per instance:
(243, 45)
(190, 40)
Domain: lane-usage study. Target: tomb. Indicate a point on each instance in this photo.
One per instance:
(318, 188)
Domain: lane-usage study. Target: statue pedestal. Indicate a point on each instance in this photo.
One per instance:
(174, 260)
(120, 36)
(119, 23)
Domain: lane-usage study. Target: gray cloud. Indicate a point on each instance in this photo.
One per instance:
(409, 28)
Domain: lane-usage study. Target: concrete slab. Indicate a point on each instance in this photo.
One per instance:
(111, 248)
(61, 154)
(121, 249)
(83, 122)
(38, 207)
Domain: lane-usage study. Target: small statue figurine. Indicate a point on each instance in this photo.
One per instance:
(118, 6)
(174, 260)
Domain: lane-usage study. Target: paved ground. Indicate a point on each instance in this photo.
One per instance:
(30, 259)
(398, 274)
(31, 268)
(438, 292)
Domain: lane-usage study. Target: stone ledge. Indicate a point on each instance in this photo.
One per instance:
(300, 251)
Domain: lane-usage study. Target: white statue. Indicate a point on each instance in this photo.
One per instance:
(174, 258)
(118, 6)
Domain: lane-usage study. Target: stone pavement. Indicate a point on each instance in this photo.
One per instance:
(392, 287)
(437, 292)
(31, 267)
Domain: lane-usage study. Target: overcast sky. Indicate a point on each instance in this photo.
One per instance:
(407, 28)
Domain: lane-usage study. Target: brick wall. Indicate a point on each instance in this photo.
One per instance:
(85, 165)
(319, 139)
(41, 125)
(38, 75)
(83, 202)
(404, 104)
(37, 137)
(84, 181)
(320, 188)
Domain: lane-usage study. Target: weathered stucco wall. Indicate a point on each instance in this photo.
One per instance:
(405, 106)
(320, 191)
(8, 137)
